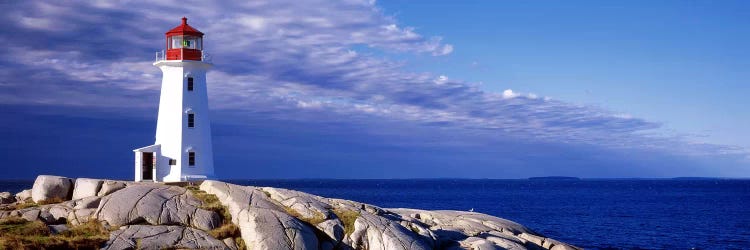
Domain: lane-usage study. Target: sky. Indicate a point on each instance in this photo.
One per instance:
(388, 89)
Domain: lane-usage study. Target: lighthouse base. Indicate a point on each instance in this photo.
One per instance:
(152, 166)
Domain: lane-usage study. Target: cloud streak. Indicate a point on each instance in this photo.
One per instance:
(292, 61)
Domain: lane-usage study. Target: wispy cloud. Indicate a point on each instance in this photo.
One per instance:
(290, 60)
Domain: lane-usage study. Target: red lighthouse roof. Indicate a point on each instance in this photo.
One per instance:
(184, 29)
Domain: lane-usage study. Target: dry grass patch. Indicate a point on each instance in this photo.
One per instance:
(92, 228)
(318, 218)
(210, 202)
(18, 233)
(50, 201)
(227, 229)
(266, 192)
(240, 243)
(19, 205)
(20, 226)
(29, 203)
(347, 217)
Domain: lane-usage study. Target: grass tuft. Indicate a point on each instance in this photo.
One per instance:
(227, 229)
(20, 226)
(318, 218)
(17, 233)
(347, 217)
(211, 203)
(240, 243)
(266, 192)
(50, 201)
(19, 205)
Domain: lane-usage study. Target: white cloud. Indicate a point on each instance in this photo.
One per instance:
(37, 23)
(441, 79)
(447, 49)
(309, 104)
(252, 22)
(508, 94)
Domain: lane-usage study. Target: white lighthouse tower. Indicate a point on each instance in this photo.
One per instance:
(182, 150)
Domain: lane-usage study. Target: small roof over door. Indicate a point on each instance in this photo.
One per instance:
(150, 149)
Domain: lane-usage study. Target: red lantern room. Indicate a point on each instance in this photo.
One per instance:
(184, 43)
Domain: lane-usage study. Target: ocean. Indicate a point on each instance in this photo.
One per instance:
(590, 213)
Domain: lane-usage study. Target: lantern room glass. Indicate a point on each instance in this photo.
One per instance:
(185, 42)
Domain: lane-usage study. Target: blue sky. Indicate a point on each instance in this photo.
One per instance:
(389, 89)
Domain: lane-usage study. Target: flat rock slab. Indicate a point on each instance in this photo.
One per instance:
(155, 205)
(161, 237)
(478, 231)
(307, 205)
(380, 233)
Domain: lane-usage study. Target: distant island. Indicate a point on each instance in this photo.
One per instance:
(695, 178)
(555, 178)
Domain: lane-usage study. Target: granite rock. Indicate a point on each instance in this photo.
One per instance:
(230, 243)
(56, 229)
(161, 237)
(88, 202)
(23, 195)
(48, 187)
(376, 232)
(263, 223)
(156, 216)
(85, 187)
(7, 198)
(155, 205)
(109, 187)
(465, 227)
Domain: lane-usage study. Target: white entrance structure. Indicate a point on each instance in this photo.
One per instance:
(182, 150)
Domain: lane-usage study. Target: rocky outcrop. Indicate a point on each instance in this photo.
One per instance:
(85, 187)
(23, 195)
(70, 212)
(161, 237)
(109, 187)
(263, 224)
(7, 198)
(380, 232)
(156, 216)
(155, 205)
(49, 187)
(477, 231)
(312, 209)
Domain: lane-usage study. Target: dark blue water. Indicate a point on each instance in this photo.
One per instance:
(594, 214)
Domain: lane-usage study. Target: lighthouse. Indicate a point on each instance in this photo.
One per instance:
(182, 150)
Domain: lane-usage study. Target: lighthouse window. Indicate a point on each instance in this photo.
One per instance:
(191, 158)
(189, 42)
(190, 84)
(186, 42)
(191, 120)
(172, 162)
(176, 42)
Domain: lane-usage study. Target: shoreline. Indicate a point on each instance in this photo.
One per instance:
(319, 222)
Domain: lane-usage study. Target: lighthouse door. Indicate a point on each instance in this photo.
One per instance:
(147, 166)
